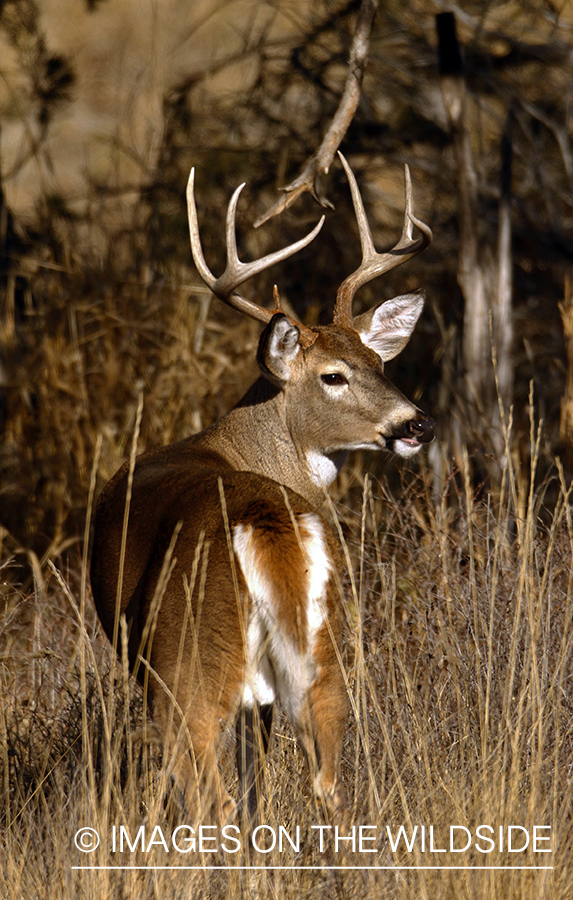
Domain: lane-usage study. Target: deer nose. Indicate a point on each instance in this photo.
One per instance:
(422, 429)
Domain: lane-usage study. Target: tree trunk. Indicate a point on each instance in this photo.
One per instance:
(485, 281)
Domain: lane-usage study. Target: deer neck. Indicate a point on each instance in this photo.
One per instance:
(255, 437)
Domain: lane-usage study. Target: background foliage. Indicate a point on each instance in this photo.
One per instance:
(98, 289)
(459, 612)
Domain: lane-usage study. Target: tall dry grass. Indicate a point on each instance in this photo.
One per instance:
(457, 605)
(458, 654)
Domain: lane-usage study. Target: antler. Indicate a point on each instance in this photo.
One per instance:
(373, 263)
(236, 272)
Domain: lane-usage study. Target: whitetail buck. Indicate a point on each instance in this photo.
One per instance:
(227, 574)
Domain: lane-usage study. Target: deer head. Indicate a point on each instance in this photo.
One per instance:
(328, 380)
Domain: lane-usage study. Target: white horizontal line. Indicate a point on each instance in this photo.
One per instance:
(320, 868)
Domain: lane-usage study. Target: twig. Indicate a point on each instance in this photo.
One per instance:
(319, 162)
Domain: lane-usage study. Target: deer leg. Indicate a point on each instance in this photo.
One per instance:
(192, 755)
(328, 712)
(319, 728)
(253, 730)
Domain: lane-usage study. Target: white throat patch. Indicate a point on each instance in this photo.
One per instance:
(324, 468)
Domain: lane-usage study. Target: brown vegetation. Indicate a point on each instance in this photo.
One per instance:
(459, 594)
(458, 649)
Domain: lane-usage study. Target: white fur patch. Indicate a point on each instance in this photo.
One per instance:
(324, 468)
(275, 668)
(404, 449)
(260, 683)
(320, 567)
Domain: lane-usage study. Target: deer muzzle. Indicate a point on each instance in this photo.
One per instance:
(421, 430)
(407, 438)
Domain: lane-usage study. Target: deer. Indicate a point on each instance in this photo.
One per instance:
(227, 574)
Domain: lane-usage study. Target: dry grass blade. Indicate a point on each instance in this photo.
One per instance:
(461, 712)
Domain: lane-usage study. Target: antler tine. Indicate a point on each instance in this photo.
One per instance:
(410, 219)
(374, 264)
(237, 272)
(366, 242)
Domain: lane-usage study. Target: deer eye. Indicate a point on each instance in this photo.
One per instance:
(334, 378)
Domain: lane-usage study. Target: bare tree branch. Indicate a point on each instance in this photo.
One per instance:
(319, 162)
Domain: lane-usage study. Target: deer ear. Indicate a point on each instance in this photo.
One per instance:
(278, 347)
(387, 328)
